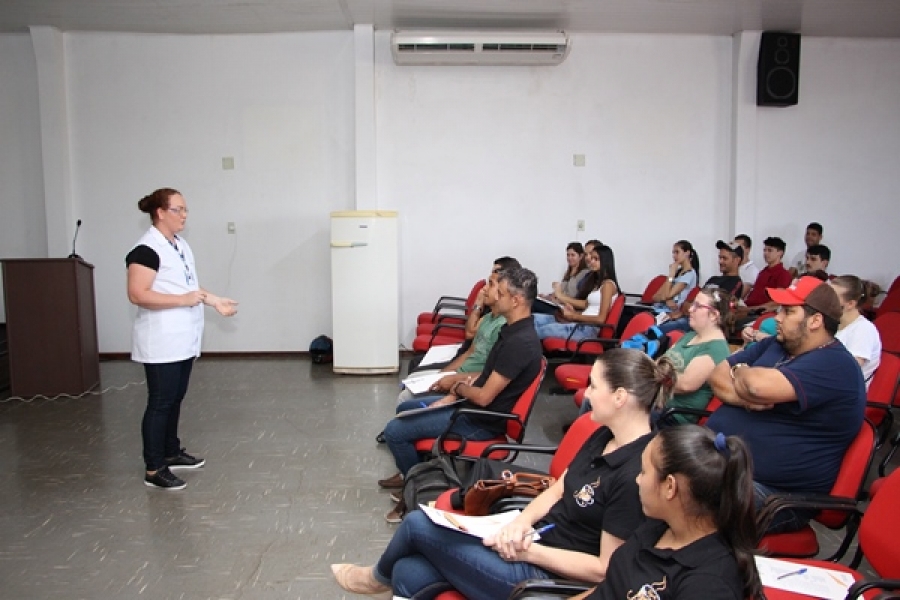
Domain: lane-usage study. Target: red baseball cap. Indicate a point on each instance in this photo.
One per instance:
(811, 292)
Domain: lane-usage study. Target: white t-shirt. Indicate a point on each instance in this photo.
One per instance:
(594, 300)
(862, 340)
(749, 272)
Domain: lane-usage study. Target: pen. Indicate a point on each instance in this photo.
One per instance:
(455, 523)
(422, 404)
(543, 529)
(797, 572)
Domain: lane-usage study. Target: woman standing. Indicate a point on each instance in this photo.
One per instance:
(162, 283)
(594, 506)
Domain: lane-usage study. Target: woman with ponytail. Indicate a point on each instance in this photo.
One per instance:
(855, 331)
(593, 507)
(697, 489)
(684, 275)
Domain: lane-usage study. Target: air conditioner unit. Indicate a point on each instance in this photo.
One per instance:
(445, 47)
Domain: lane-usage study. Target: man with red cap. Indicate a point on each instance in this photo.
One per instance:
(797, 398)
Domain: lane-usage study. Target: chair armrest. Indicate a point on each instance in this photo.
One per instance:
(448, 432)
(519, 448)
(778, 502)
(555, 587)
(449, 299)
(858, 588)
(666, 416)
(438, 326)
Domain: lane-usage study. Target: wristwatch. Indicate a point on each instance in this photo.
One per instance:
(736, 367)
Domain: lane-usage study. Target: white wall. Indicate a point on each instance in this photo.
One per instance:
(23, 231)
(154, 111)
(477, 160)
(835, 157)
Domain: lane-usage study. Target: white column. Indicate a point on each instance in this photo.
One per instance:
(364, 49)
(744, 135)
(50, 56)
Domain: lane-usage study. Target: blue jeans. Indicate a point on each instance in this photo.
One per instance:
(679, 324)
(785, 520)
(547, 327)
(167, 384)
(401, 434)
(423, 558)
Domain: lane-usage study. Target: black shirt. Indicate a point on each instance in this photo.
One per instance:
(730, 283)
(704, 569)
(516, 355)
(143, 255)
(600, 494)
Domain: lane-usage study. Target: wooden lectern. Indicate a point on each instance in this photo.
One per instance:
(51, 325)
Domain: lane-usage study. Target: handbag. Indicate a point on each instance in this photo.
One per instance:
(480, 497)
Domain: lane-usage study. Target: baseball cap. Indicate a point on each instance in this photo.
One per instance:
(735, 249)
(811, 292)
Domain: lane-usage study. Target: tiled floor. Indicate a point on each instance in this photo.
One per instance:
(289, 486)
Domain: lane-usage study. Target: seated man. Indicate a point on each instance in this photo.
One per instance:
(812, 237)
(511, 366)
(817, 258)
(749, 271)
(796, 398)
(730, 257)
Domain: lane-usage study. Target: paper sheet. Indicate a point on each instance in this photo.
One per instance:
(480, 527)
(816, 582)
(440, 354)
(422, 382)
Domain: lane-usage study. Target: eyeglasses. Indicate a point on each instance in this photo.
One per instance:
(178, 210)
(697, 306)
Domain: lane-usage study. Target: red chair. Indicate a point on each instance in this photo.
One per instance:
(882, 395)
(572, 376)
(563, 454)
(652, 287)
(841, 501)
(879, 531)
(592, 346)
(888, 326)
(460, 307)
(891, 301)
(516, 420)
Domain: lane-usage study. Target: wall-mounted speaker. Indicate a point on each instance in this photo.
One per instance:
(778, 70)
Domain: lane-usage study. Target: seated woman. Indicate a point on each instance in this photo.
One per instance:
(594, 506)
(697, 489)
(855, 331)
(698, 352)
(576, 269)
(600, 288)
(684, 273)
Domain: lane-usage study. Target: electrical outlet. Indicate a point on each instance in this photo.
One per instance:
(579, 225)
(231, 228)
(578, 160)
(227, 163)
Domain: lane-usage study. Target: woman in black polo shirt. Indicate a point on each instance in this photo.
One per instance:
(697, 489)
(594, 506)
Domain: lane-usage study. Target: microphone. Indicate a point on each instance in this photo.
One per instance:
(74, 239)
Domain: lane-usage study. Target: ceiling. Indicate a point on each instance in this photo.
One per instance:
(831, 18)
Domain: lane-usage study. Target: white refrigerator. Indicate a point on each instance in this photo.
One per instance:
(365, 292)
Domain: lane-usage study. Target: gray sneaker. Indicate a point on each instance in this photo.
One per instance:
(164, 479)
(185, 461)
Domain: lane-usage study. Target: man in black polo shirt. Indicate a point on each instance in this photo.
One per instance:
(511, 366)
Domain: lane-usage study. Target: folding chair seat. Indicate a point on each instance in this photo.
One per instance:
(453, 309)
(590, 346)
(891, 301)
(563, 454)
(448, 443)
(572, 376)
(647, 296)
(837, 508)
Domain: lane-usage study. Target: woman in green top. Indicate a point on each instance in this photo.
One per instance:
(697, 353)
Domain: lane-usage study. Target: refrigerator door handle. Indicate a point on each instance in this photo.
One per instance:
(349, 244)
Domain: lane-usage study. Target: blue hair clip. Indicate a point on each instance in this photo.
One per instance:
(721, 445)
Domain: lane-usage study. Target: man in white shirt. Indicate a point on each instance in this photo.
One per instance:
(813, 237)
(748, 271)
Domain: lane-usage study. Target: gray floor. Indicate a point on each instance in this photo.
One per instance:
(289, 486)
